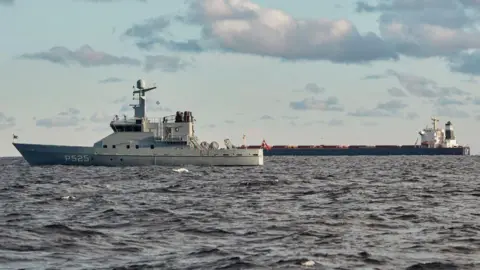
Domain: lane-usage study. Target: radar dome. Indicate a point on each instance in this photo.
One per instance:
(141, 84)
(214, 145)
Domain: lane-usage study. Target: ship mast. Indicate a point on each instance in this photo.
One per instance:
(140, 108)
(434, 120)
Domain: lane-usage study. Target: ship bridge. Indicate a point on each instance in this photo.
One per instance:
(173, 129)
(126, 124)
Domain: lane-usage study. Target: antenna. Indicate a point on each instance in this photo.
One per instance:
(434, 120)
(140, 109)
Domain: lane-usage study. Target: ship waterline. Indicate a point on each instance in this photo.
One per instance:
(434, 141)
(43, 155)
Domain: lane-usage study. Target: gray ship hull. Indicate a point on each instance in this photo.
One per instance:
(43, 155)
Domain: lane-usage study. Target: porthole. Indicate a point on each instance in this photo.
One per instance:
(152, 146)
(128, 146)
(121, 160)
(114, 146)
(136, 146)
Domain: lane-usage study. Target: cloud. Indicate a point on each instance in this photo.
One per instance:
(149, 28)
(241, 26)
(446, 13)
(330, 104)
(85, 56)
(451, 111)
(426, 88)
(392, 105)
(332, 123)
(471, 80)
(311, 88)
(467, 63)
(416, 85)
(267, 117)
(165, 63)
(122, 100)
(152, 106)
(412, 115)
(7, 2)
(111, 1)
(6, 122)
(81, 128)
(391, 108)
(396, 92)
(426, 28)
(474, 100)
(147, 33)
(288, 117)
(335, 122)
(68, 118)
(111, 80)
(375, 77)
(101, 118)
(444, 101)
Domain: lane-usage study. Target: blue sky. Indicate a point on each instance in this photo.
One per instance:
(323, 72)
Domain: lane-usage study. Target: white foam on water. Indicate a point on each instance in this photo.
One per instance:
(180, 170)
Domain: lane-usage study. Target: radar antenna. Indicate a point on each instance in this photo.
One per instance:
(140, 108)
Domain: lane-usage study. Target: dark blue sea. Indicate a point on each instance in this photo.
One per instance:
(293, 213)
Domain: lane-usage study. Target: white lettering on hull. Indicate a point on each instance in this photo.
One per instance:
(77, 158)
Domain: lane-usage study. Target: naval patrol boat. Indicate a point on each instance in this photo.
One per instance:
(140, 141)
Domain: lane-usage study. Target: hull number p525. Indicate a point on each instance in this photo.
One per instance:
(77, 158)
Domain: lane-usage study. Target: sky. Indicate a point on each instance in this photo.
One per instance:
(320, 72)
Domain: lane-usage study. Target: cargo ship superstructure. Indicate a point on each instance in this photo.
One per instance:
(433, 141)
(138, 141)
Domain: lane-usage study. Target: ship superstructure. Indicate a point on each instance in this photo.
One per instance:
(434, 137)
(140, 140)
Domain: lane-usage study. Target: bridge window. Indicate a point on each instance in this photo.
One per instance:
(104, 146)
(152, 146)
(136, 146)
(127, 128)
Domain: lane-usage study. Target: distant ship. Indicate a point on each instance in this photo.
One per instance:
(434, 141)
(140, 141)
